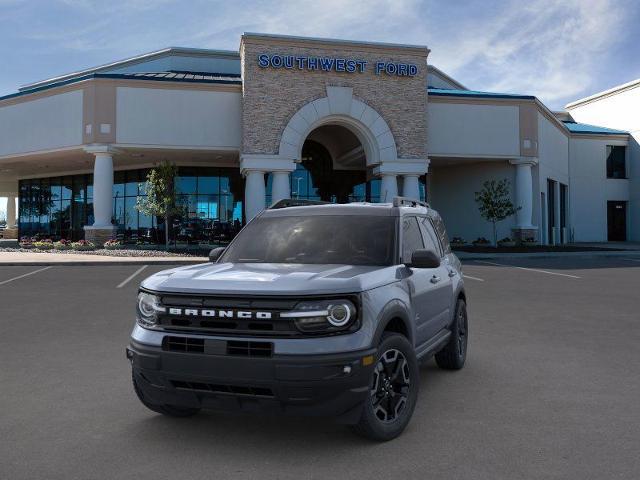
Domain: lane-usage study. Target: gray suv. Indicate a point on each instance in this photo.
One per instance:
(313, 309)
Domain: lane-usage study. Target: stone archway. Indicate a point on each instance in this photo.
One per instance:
(339, 107)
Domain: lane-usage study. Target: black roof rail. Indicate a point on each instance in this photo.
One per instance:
(409, 202)
(296, 202)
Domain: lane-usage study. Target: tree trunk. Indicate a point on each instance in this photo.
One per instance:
(166, 232)
(495, 235)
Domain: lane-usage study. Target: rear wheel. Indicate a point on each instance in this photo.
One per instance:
(169, 410)
(393, 390)
(454, 354)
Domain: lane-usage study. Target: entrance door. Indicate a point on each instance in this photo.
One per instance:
(617, 221)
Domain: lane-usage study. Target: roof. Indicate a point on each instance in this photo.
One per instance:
(604, 93)
(584, 128)
(436, 71)
(172, 76)
(134, 60)
(474, 93)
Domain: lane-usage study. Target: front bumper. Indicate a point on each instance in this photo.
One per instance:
(332, 385)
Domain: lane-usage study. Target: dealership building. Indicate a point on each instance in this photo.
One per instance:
(309, 118)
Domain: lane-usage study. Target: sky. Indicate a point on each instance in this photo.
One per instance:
(557, 50)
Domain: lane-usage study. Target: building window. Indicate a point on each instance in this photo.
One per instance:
(616, 164)
(210, 198)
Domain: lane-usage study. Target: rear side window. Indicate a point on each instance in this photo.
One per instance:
(430, 237)
(411, 238)
(442, 233)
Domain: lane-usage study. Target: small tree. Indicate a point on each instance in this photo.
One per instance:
(494, 203)
(161, 200)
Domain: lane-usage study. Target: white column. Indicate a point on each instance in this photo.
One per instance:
(524, 193)
(388, 188)
(11, 212)
(411, 187)
(280, 186)
(254, 193)
(103, 189)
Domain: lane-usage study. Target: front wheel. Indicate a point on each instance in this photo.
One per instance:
(454, 354)
(393, 390)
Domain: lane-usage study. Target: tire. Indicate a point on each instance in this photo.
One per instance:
(395, 382)
(168, 410)
(454, 354)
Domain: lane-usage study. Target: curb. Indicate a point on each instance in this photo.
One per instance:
(96, 264)
(498, 256)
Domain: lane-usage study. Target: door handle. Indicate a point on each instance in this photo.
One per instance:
(435, 279)
(452, 273)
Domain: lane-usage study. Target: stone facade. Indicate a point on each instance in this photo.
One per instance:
(272, 96)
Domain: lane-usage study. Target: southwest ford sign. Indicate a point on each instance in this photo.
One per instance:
(334, 64)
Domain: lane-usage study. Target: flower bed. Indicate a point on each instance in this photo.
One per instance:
(83, 245)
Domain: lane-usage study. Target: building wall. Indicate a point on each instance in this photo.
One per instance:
(452, 193)
(473, 129)
(45, 123)
(272, 96)
(553, 163)
(589, 188)
(620, 111)
(189, 118)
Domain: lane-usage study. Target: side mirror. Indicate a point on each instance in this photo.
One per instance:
(214, 254)
(424, 258)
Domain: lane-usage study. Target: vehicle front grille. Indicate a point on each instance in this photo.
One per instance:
(250, 349)
(183, 344)
(273, 326)
(253, 391)
(217, 347)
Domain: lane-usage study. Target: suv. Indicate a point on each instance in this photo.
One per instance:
(314, 309)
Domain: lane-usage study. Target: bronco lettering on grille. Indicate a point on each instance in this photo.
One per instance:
(241, 314)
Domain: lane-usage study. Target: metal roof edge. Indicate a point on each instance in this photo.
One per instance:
(605, 93)
(131, 61)
(447, 77)
(124, 76)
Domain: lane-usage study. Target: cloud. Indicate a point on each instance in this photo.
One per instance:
(557, 50)
(546, 48)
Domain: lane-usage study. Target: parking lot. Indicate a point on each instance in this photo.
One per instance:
(551, 388)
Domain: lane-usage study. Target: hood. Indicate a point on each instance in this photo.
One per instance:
(271, 278)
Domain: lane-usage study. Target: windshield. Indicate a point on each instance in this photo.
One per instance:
(347, 240)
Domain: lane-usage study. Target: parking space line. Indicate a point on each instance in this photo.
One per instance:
(473, 278)
(131, 277)
(25, 275)
(529, 269)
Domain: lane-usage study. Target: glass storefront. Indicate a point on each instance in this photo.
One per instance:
(302, 186)
(211, 199)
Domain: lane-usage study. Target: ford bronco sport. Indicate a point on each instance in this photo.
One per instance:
(313, 309)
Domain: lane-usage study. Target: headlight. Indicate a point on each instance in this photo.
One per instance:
(148, 307)
(323, 316)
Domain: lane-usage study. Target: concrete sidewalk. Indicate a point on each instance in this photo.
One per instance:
(37, 259)
(586, 254)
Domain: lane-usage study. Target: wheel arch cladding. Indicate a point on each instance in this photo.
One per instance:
(394, 318)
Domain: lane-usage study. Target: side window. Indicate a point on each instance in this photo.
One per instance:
(411, 238)
(430, 238)
(442, 233)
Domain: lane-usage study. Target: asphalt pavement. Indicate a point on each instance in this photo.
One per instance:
(550, 389)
